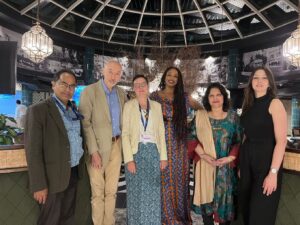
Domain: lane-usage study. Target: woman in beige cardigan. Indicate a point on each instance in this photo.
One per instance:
(144, 149)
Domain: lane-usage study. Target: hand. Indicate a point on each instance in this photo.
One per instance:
(163, 164)
(210, 160)
(223, 161)
(96, 161)
(41, 196)
(270, 184)
(131, 167)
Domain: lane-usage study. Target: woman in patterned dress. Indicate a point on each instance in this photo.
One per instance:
(175, 178)
(218, 131)
(144, 149)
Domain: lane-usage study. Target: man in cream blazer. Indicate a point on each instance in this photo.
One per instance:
(101, 104)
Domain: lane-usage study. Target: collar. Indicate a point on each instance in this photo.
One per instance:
(60, 102)
(106, 90)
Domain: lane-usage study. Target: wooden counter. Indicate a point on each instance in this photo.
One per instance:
(12, 158)
(291, 162)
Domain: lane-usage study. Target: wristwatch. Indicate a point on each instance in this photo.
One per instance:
(274, 170)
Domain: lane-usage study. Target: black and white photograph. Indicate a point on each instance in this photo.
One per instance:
(61, 58)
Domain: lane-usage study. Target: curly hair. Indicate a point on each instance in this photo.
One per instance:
(249, 94)
(205, 101)
(179, 104)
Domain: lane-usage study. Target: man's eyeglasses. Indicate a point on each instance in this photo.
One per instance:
(65, 85)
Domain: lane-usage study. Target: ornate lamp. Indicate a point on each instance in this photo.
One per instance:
(291, 47)
(36, 44)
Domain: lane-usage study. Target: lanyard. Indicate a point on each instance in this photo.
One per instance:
(78, 115)
(145, 123)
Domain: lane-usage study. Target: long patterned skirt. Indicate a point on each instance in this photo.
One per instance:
(175, 182)
(143, 188)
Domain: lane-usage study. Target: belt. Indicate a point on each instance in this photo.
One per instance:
(115, 138)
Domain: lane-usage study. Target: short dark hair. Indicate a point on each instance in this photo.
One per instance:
(18, 102)
(223, 91)
(59, 73)
(140, 76)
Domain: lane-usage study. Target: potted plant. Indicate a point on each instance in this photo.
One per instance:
(8, 133)
(12, 154)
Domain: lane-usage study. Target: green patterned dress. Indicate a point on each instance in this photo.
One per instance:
(226, 133)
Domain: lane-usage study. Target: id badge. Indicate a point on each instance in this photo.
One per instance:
(146, 137)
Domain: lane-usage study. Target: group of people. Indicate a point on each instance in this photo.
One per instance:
(151, 131)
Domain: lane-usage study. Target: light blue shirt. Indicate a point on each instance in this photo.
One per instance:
(114, 108)
(73, 130)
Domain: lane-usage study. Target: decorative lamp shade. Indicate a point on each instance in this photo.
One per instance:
(36, 44)
(291, 48)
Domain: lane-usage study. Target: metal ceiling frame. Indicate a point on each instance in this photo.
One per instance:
(140, 22)
(66, 12)
(161, 22)
(204, 20)
(229, 18)
(182, 22)
(29, 7)
(266, 21)
(118, 20)
(166, 13)
(161, 14)
(94, 17)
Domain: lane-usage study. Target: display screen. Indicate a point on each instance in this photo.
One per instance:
(77, 93)
(8, 103)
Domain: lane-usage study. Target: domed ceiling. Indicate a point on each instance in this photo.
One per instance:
(161, 23)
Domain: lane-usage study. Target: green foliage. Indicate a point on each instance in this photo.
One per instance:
(8, 134)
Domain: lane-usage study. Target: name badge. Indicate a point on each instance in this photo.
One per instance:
(146, 137)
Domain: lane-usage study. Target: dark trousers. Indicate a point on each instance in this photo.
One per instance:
(257, 208)
(59, 208)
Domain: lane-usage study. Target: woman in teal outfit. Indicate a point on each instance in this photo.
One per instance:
(218, 131)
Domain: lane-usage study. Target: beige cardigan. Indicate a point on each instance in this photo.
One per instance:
(131, 129)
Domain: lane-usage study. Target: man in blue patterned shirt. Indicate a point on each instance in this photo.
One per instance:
(53, 146)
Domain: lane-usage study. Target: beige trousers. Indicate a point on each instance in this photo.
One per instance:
(104, 186)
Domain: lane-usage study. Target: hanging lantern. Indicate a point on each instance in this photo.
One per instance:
(291, 47)
(36, 44)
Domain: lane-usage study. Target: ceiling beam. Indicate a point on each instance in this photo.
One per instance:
(94, 17)
(162, 9)
(205, 21)
(118, 20)
(29, 7)
(261, 16)
(182, 22)
(140, 22)
(66, 12)
(230, 19)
